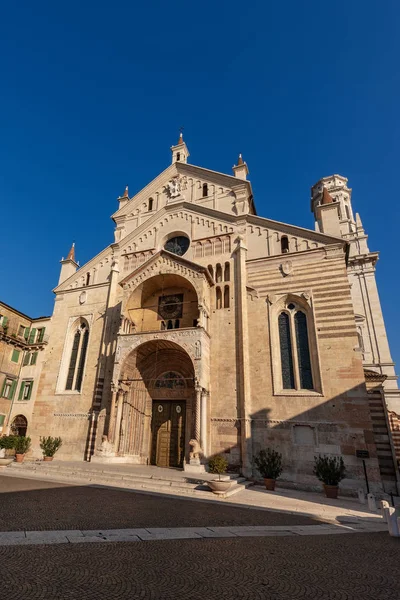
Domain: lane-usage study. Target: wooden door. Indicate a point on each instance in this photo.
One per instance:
(168, 433)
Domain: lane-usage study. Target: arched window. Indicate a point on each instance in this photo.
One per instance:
(151, 201)
(346, 208)
(205, 190)
(77, 358)
(295, 356)
(87, 278)
(211, 270)
(303, 351)
(178, 156)
(227, 272)
(285, 343)
(218, 273)
(218, 298)
(284, 244)
(226, 296)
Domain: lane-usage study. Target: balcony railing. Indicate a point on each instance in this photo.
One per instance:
(27, 338)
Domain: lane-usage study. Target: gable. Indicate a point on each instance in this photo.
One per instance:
(184, 183)
(166, 262)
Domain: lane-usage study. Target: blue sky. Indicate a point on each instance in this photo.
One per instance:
(93, 95)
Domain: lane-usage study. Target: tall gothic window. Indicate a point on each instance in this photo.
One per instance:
(295, 357)
(286, 352)
(77, 359)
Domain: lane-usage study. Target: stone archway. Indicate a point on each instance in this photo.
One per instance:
(145, 383)
(19, 425)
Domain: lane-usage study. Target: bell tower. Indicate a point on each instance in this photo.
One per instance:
(180, 152)
(340, 194)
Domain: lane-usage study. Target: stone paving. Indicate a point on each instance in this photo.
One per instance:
(344, 567)
(35, 505)
(184, 549)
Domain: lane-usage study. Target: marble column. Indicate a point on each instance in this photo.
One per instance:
(197, 414)
(120, 396)
(203, 421)
(113, 415)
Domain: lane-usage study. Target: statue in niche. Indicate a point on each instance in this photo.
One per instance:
(198, 349)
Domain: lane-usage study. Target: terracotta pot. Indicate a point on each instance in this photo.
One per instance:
(219, 487)
(48, 458)
(331, 491)
(270, 484)
(19, 457)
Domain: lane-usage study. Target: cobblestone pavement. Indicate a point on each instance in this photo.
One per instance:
(345, 567)
(38, 505)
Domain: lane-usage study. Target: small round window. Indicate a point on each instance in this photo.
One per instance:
(177, 245)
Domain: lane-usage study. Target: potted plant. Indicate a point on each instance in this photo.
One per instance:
(49, 446)
(22, 445)
(269, 465)
(218, 465)
(330, 470)
(7, 451)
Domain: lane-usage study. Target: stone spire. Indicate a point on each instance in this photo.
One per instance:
(68, 265)
(326, 197)
(71, 253)
(124, 198)
(240, 170)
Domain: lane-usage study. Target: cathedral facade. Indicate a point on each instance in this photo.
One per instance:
(204, 323)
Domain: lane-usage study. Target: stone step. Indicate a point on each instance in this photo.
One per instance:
(142, 481)
(87, 471)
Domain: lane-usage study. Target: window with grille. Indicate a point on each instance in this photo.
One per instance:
(77, 358)
(296, 368)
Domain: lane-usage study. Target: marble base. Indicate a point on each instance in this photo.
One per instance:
(116, 460)
(194, 466)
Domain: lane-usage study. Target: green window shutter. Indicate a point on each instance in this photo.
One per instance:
(2, 419)
(3, 388)
(32, 336)
(21, 391)
(26, 334)
(15, 356)
(34, 358)
(4, 322)
(12, 390)
(41, 335)
(26, 358)
(30, 390)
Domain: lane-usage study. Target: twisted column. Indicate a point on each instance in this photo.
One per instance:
(197, 414)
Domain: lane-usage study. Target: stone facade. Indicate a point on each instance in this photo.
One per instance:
(205, 321)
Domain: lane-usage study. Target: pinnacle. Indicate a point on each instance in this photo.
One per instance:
(71, 253)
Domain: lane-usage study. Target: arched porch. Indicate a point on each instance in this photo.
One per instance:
(155, 408)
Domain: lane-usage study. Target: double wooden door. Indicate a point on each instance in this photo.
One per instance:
(168, 433)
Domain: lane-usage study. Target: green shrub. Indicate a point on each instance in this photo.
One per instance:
(218, 465)
(8, 442)
(50, 445)
(329, 469)
(269, 463)
(22, 444)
